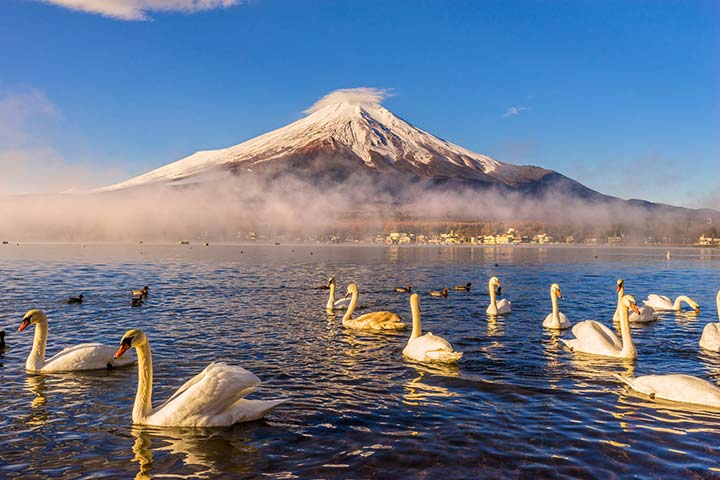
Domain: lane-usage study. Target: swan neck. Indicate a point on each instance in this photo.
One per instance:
(717, 302)
(678, 302)
(351, 307)
(628, 348)
(492, 295)
(416, 325)
(36, 359)
(143, 399)
(555, 310)
(331, 300)
(621, 294)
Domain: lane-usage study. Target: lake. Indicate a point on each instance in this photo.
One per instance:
(518, 404)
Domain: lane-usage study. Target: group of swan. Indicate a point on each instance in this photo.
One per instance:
(677, 387)
(426, 348)
(214, 397)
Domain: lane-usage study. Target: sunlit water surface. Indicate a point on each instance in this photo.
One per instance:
(518, 405)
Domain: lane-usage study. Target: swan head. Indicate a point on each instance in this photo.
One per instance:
(495, 282)
(132, 338)
(628, 301)
(331, 281)
(352, 288)
(620, 285)
(32, 316)
(555, 290)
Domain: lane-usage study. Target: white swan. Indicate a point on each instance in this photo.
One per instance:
(661, 303)
(85, 356)
(427, 348)
(596, 339)
(497, 307)
(645, 314)
(676, 388)
(556, 320)
(212, 398)
(333, 304)
(370, 321)
(710, 338)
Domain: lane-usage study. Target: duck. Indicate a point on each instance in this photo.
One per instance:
(710, 339)
(427, 348)
(463, 288)
(79, 299)
(332, 304)
(378, 321)
(645, 313)
(213, 398)
(141, 292)
(85, 356)
(675, 387)
(594, 338)
(661, 303)
(439, 293)
(407, 289)
(556, 320)
(497, 307)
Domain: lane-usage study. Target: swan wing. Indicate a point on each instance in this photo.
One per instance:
(563, 322)
(710, 338)
(86, 356)
(431, 348)
(376, 321)
(504, 306)
(658, 302)
(647, 314)
(594, 337)
(676, 388)
(211, 398)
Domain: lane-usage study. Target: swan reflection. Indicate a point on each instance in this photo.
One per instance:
(418, 392)
(35, 384)
(205, 452)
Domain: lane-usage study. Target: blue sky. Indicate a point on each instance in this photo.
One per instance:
(622, 96)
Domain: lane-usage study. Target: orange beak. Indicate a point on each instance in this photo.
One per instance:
(123, 348)
(697, 310)
(635, 309)
(25, 323)
(617, 289)
(559, 295)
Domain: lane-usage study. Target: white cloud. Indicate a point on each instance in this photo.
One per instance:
(138, 9)
(353, 96)
(514, 111)
(28, 161)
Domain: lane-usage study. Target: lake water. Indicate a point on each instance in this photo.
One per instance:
(518, 405)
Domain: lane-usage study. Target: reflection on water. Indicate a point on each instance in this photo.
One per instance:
(35, 384)
(518, 404)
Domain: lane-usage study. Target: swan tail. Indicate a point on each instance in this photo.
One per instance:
(245, 410)
(443, 356)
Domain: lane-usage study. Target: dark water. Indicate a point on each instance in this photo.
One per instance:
(517, 406)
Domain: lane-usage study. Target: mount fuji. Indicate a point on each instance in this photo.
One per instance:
(349, 134)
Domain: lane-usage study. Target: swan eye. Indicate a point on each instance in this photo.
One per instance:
(127, 341)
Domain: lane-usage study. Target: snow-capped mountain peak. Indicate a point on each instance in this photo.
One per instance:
(350, 124)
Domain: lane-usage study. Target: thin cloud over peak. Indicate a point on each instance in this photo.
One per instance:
(514, 111)
(139, 9)
(352, 96)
